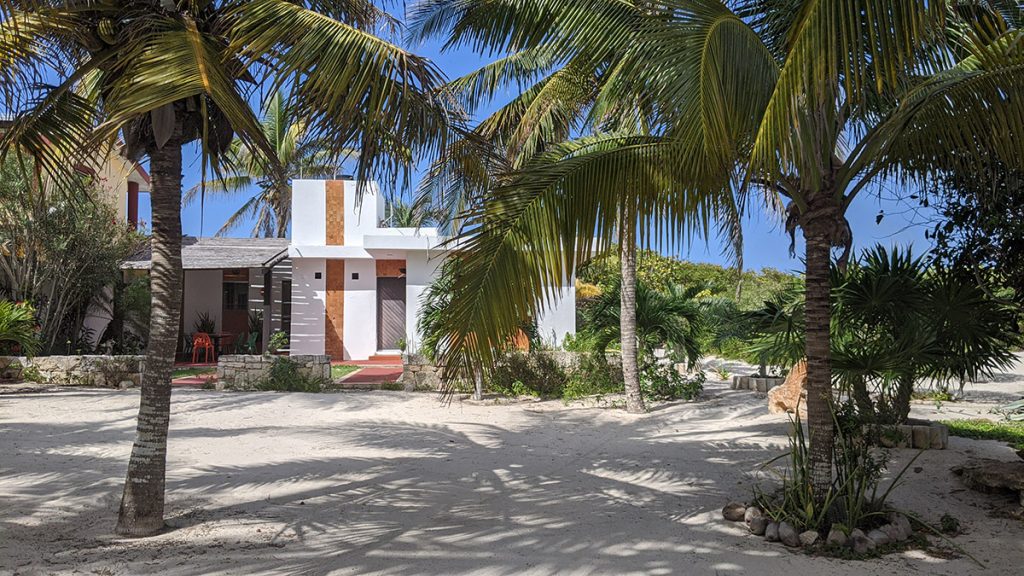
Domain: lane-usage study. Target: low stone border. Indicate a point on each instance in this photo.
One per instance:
(756, 383)
(244, 371)
(931, 436)
(897, 529)
(85, 370)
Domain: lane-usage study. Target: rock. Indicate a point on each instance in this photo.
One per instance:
(993, 476)
(758, 525)
(751, 513)
(860, 543)
(808, 538)
(902, 523)
(792, 392)
(771, 532)
(734, 511)
(879, 537)
(922, 437)
(836, 537)
(894, 532)
(939, 437)
(788, 535)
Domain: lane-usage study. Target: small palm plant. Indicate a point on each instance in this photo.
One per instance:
(18, 327)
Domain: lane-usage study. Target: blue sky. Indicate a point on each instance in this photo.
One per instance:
(765, 241)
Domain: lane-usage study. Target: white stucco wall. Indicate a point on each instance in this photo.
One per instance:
(309, 224)
(361, 214)
(309, 306)
(360, 332)
(420, 268)
(203, 294)
(558, 317)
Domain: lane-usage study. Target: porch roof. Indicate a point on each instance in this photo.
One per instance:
(219, 253)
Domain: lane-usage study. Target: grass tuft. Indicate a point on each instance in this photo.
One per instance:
(1011, 432)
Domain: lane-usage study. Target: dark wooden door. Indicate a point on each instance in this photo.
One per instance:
(390, 312)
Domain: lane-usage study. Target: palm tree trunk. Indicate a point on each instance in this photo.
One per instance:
(627, 316)
(819, 369)
(142, 503)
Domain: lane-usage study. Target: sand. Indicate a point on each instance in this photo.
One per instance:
(396, 483)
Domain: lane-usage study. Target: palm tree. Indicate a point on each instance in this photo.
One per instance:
(806, 102)
(270, 207)
(674, 319)
(160, 75)
(563, 96)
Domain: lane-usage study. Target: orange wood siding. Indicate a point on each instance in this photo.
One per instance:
(390, 268)
(335, 209)
(335, 326)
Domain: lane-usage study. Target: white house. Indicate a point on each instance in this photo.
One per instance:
(356, 284)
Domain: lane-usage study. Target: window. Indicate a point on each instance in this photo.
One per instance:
(236, 296)
(286, 307)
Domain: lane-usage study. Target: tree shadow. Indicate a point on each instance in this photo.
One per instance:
(548, 492)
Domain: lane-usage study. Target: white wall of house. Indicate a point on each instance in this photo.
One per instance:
(360, 332)
(362, 214)
(309, 226)
(309, 305)
(420, 269)
(558, 317)
(203, 293)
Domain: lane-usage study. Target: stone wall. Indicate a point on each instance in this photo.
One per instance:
(418, 373)
(86, 370)
(756, 383)
(244, 372)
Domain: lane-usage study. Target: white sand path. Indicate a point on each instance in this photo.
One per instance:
(394, 483)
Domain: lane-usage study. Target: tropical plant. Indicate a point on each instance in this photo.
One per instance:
(278, 341)
(18, 328)
(60, 250)
(673, 320)
(270, 205)
(285, 375)
(808, 103)
(159, 75)
(401, 214)
(897, 322)
(980, 230)
(204, 323)
(478, 183)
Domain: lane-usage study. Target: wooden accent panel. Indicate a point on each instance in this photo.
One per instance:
(334, 327)
(335, 209)
(390, 268)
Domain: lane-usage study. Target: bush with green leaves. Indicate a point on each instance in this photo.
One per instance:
(61, 252)
(855, 498)
(285, 376)
(278, 341)
(664, 382)
(593, 375)
(897, 322)
(527, 374)
(18, 334)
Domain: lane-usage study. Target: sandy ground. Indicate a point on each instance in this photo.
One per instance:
(394, 483)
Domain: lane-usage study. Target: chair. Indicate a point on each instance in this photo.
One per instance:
(202, 341)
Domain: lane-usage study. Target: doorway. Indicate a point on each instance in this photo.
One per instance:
(390, 313)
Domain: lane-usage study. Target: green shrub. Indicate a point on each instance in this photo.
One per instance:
(591, 376)
(527, 374)
(853, 500)
(664, 382)
(1011, 432)
(18, 328)
(278, 340)
(284, 376)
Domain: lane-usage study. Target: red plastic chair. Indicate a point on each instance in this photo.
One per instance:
(202, 341)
